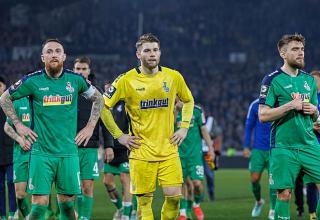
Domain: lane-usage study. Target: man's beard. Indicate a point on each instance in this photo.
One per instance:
(146, 64)
(296, 65)
(54, 70)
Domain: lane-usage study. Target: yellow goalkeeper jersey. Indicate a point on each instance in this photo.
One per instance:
(149, 102)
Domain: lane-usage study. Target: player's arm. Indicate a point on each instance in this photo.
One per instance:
(20, 89)
(206, 137)
(8, 129)
(108, 144)
(186, 97)
(251, 120)
(115, 93)
(92, 94)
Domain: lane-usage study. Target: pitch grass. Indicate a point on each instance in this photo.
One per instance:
(234, 199)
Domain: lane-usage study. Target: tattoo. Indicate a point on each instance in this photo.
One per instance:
(8, 108)
(8, 129)
(97, 105)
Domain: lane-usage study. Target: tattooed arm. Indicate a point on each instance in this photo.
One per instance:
(22, 130)
(85, 134)
(8, 129)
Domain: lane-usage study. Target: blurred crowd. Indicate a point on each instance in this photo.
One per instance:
(223, 49)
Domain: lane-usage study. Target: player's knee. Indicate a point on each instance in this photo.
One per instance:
(173, 201)
(20, 194)
(255, 177)
(144, 200)
(124, 178)
(284, 194)
(197, 184)
(87, 188)
(107, 180)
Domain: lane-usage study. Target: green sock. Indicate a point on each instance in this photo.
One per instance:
(3, 217)
(23, 205)
(126, 208)
(50, 203)
(273, 198)
(117, 202)
(189, 207)
(282, 210)
(37, 212)
(57, 208)
(198, 198)
(87, 207)
(256, 189)
(80, 204)
(67, 210)
(134, 202)
(183, 206)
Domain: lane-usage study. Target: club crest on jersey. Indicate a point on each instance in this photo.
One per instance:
(306, 86)
(165, 88)
(25, 117)
(111, 90)
(69, 87)
(57, 100)
(154, 103)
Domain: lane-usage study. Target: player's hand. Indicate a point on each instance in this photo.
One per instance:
(316, 127)
(211, 153)
(84, 135)
(308, 108)
(25, 144)
(26, 133)
(246, 153)
(296, 102)
(129, 141)
(108, 154)
(179, 136)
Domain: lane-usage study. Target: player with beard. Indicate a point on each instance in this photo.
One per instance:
(149, 93)
(54, 155)
(288, 98)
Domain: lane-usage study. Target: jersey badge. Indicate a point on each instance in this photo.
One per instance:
(306, 86)
(165, 88)
(69, 87)
(110, 92)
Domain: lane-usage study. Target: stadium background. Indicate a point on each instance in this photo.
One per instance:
(223, 48)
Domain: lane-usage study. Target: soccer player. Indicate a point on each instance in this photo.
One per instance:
(6, 169)
(54, 156)
(21, 154)
(88, 155)
(190, 152)
(259, 156)
(288, 98)
(149, 93)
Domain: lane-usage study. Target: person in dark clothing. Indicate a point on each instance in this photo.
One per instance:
(116, 163)
(6, 166)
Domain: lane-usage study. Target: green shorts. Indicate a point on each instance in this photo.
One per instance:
(285, 165)
(44, 170)
(88, 158)
(116, 170)
(20, 171)
(259, 160)
(192, 167)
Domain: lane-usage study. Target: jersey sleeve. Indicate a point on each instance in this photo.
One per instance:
(115, 92)
(252, 117)
(21, 88)
(185, 96)
(267, 92)
(314, 94)
(85, 88)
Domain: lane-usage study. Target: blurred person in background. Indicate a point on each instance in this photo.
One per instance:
(259, 156)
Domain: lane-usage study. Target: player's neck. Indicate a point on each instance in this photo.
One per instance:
(149, 71)
(290, 70)
(54, 75)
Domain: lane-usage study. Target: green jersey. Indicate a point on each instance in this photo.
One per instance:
(192, 144)
(23, 110)
(54, 104)
(295, 129)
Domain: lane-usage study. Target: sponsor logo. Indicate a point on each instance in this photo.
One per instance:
(264, 91)
(25, 117)
(110, 92)
(44, 89)
(165, 88)
(23, 108)
(306, 86)
(154, 103)
(57, 100)
(305, 97)
(140, 89)
(69, 87)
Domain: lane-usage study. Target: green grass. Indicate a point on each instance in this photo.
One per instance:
(234, 199)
